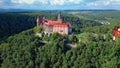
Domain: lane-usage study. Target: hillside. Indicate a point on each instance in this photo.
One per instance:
(12, 23)
(25, 50)
(21, 48)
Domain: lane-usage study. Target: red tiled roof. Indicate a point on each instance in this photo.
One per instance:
(116, 33)
(56, 23)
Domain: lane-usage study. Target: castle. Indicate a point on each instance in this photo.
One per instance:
(51, 26)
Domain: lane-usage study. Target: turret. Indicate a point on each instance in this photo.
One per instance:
(39, 21)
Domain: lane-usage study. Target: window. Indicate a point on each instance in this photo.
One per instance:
(61, 30)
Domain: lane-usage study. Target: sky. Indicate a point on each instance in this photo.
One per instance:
(60, 4)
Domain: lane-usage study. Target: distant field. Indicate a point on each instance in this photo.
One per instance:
(104, 17)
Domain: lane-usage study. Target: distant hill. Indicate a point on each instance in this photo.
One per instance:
(17, 10)
(102, 16)
(38, 10)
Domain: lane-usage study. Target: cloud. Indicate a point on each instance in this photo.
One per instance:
(57, 2)
(117, 2)
(43, 1)
(63, 2)
(23, 1)
(75, 1)
(60, 4)
(1, 1)
(49, 2)
(35, 3)
(104, 3)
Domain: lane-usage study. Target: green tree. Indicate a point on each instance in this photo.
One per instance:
(38, 29)
(73, 39)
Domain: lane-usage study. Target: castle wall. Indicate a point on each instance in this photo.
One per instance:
(60, 29)
(48, 29)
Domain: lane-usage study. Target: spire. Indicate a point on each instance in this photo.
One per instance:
(59, 18)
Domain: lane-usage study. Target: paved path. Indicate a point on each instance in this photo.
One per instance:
(72, 45)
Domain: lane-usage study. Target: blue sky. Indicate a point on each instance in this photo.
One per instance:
(60, 4)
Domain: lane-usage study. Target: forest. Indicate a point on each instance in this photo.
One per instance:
(21, 48)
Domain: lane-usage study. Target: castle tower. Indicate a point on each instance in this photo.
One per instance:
(39, 21)
(59, 18)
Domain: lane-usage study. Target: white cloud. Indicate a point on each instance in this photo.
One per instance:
(23, 1)
(75, 1)
(43, 1)
(51, 2)
(62, 2)
(92, 4)
(104, 3)
(1, 1)
(57, 2)
(117, 2)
